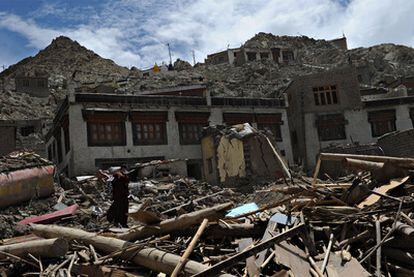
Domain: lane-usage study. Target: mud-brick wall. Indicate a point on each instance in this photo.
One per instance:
(399, 144)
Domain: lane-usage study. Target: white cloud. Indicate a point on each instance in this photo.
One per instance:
(135, 32)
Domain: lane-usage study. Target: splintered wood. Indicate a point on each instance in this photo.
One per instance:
(357, 225)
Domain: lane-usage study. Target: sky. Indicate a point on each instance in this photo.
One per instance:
(136, 32)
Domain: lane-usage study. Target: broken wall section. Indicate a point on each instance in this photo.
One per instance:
(238, 154)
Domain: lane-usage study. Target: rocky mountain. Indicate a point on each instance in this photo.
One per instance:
(66, 61)
(378, 64)
(67, 65)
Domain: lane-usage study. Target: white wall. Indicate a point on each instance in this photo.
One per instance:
(83, 156)
(358, 129)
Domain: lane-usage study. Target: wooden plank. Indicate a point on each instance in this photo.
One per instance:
(267, 234)
(373, 198)
(50, 217)
(217, 268)
(293, 257)
(252, 268)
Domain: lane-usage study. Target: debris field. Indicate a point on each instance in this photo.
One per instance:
(358, 225)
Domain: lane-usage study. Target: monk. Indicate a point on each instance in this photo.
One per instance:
(118, 212)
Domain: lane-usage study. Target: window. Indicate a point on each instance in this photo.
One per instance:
(26, 83)
(149, 128)
(27, 130)
(326, 95)
(106, 134)
(382, 122)
(271, 123)
(287, 56)
(331, 127)
(190, 133)
(105, 128)
(190, 126)
(251, 56)
(41, 83)
(264, 56)
(275, 54)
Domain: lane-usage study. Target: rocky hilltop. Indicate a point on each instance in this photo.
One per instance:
(67, 62)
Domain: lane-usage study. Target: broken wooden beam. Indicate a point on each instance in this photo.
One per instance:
(47, 248)
(402, 162)
(170, 225)
(152, 258)
(190, 248)
(217, 268)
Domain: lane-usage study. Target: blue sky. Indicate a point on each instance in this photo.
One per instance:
(135, 32)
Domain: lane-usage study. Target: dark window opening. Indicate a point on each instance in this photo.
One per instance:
(325, 95)
(275, 129)
(41, 83)
(27, 130)
(264, 56)
(382, 122)
(145, 74)
(26, 83)
(287, 56)
(331, 127)
(251, 56)
(275, 54)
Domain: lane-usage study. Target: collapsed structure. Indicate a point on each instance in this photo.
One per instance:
(240, 154)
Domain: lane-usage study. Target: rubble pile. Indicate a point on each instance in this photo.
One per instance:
(358, 225)
(20, 160)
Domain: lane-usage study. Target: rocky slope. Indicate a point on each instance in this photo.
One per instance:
(65, 61)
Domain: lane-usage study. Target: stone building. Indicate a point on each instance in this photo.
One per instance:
(37, 86)
(91, 131)
(21, 134)
(330, 108)
(239, 56)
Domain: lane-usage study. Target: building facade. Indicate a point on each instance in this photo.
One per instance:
(93, 131)
(329, 108)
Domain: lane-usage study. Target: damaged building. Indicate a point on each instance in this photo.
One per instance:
(100, 130)
(36, 85)
(240, 153)
(21, 134)
(330, 108)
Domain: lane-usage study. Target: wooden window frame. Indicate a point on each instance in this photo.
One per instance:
(335, 124)
(102, 121)
(325, 95)
(381, 120)
(189, 124)
(142, 122)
